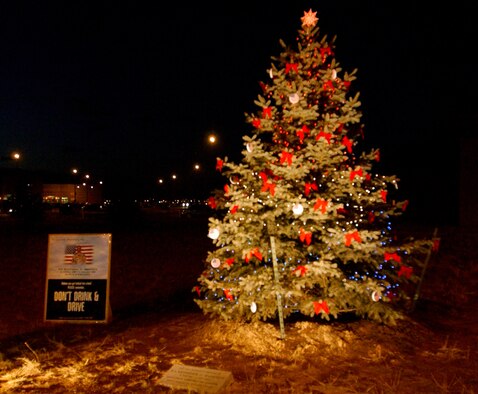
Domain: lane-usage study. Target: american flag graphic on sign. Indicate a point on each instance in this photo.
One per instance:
(77, 254)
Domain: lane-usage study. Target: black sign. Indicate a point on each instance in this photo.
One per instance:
(76, 299)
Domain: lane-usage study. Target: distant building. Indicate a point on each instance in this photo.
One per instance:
(64, 193)
(20, 187)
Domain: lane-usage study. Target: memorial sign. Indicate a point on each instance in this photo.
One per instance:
(196, 379)
(77, 278)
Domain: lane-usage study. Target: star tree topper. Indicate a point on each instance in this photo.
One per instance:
(309, 19)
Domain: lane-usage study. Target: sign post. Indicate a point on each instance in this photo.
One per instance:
(77, 278)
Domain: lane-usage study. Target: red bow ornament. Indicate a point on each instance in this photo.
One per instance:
(212, 202)
(355, 173)
(263, 176)
(267, 112)
(328, 85)
(228, 294)
(321, 306)
(271, 187)
(342, 211)
(302, 132)
(219, 164)
(256, 123)
(321, 204)
(371, 217)
(229, 261)
(253, 253)
(266, 185)
(291, 66)
(309, 187)
(324, 52)
(286, 157)
(405, 271)
(234, 209)
(300, 270)
(392, 256)
(305, 236)
(354, 236)
(347, 143)
(263, 86)
(383, 194)
(325, 135)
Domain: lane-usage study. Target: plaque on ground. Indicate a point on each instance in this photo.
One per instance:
(196, 379)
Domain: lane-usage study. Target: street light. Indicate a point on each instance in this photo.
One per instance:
(212, 139)
(12, 156)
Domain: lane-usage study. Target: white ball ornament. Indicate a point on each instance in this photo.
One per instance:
(297, 209)
(376, 296)
(294, 98)
(253, 307)
(213, 233)
(215, 263)
(334, 74)
(249, 147)
(270, 73)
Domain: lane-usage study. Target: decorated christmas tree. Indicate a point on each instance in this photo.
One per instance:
(304, 224)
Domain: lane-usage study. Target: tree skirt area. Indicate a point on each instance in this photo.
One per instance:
(432, 350)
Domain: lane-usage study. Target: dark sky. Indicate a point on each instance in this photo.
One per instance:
(130, 90)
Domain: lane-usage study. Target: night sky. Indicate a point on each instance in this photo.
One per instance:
(129, 91)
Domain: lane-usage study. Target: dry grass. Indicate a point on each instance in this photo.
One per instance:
(314, 358)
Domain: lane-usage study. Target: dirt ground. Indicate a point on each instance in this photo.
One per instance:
(155, 324)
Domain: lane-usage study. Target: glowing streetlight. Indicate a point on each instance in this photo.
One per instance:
(212, 139)
(174, 176)
(12, 156)
(197, 167)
